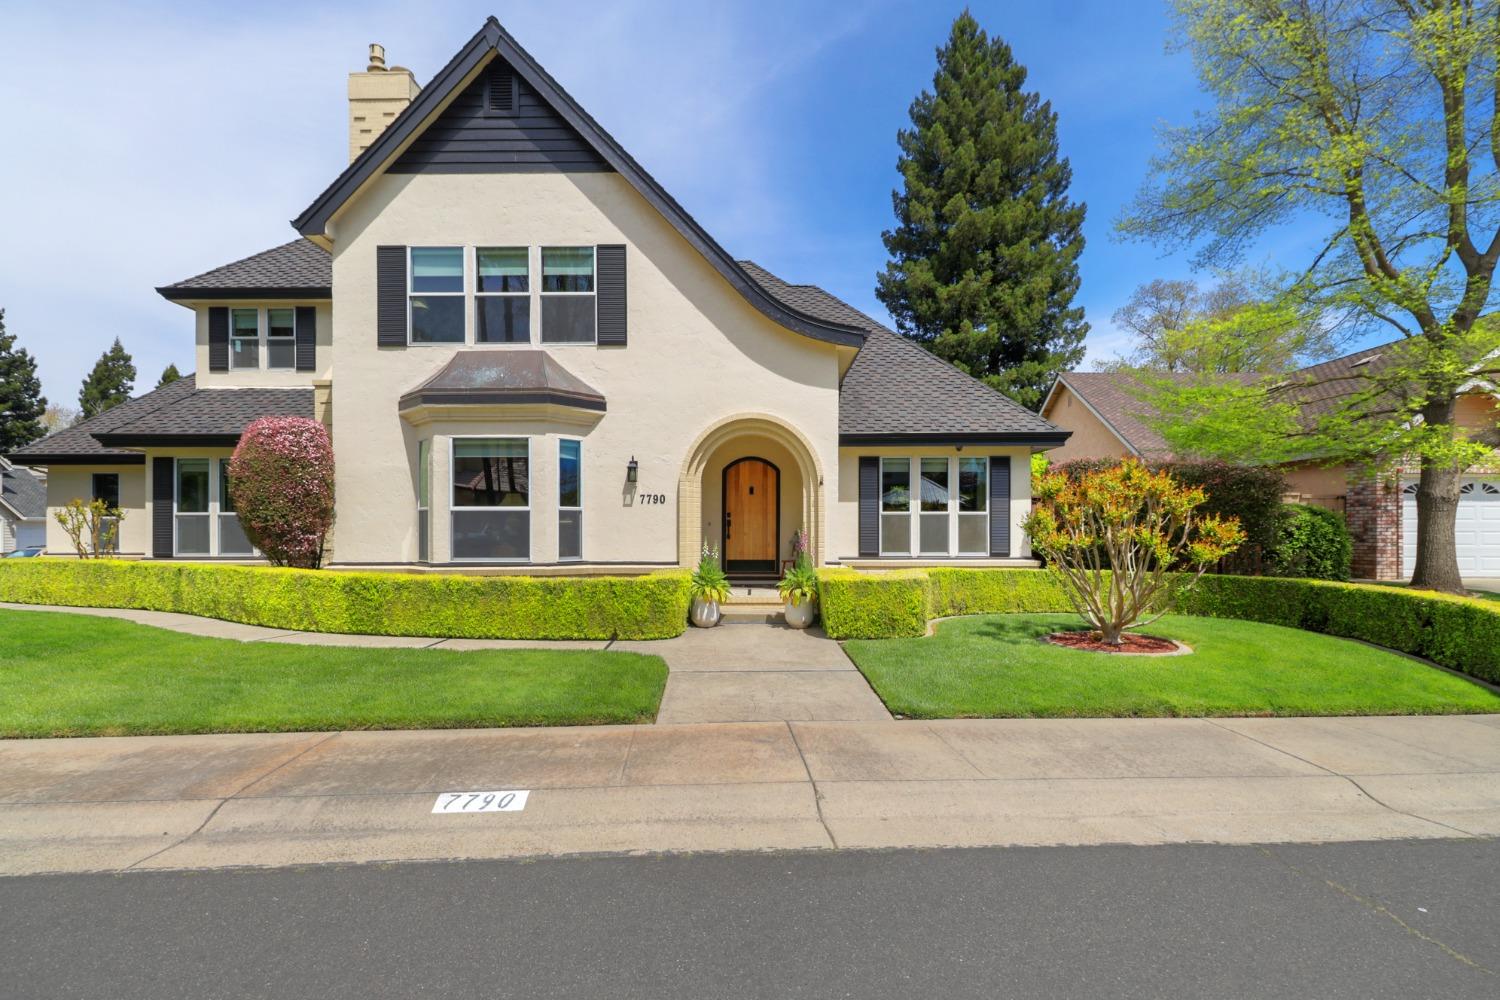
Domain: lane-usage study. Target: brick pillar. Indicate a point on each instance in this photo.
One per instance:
(1373, 511)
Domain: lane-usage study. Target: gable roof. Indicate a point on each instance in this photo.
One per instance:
(23, 493)
(898, 392)
(1111, 396)
(297, 270)
(491, 42)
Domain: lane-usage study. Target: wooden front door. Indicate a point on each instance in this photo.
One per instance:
(752, 515)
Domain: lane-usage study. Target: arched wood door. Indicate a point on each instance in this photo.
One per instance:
(752, 515)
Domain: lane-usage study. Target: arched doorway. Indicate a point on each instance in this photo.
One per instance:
(751, 491)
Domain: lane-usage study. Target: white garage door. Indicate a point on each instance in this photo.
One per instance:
(1477, 531)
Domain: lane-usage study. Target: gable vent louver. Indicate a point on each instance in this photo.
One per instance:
(502, 91)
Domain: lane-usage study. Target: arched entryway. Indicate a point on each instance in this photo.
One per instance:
(727, 460)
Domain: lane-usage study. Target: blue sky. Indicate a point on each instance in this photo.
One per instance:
(149, 142)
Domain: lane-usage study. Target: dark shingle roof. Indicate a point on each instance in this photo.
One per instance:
(1113, 395)
(208, 416)
(23, 492)
(480, 377)
(297, 270)
(897, 389)
(76, 445)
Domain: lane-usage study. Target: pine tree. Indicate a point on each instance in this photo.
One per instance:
(21, 400)
(984, 257)
(169, 375)
(109, 384)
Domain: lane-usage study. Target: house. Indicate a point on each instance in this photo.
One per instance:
(1109, 419)
(23, 508)
(529, 355)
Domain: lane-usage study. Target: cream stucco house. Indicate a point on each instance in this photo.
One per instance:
(530, 356)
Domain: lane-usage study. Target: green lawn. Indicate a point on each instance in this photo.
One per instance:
(72, 675)
(993, 666)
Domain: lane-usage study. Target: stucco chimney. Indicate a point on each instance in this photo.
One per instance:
(376, 97)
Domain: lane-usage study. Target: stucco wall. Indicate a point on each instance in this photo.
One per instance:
(843, 521)
(1091, 438)
(262, 377)
(697, 353)
(69, 482)
(1317, 480)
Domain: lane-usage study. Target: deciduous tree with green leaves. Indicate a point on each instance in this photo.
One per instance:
(1380, 118)
(984, 257)
(22, 404)
(109, 383)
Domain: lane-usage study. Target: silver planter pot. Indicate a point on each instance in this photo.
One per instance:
(800, 615)
(704, 614)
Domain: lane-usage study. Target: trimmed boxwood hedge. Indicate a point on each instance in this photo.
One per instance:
(451, 606)
(1457, 632)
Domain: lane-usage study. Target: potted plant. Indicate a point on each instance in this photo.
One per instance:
(799, 591)
(710, 588)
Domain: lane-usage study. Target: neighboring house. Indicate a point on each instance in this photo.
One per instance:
(528, 354)
(23, 508)
(1109, 419)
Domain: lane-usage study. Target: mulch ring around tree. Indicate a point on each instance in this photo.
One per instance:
(1137, 645)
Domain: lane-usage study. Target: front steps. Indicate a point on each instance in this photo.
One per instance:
(753, 605)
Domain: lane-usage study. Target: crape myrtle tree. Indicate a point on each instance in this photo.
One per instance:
(1377, 118)
(281, 481)
(22, 404)
(984, 256)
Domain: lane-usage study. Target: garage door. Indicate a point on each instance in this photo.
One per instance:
(1477, 531)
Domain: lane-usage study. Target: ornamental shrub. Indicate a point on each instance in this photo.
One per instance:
(1111, 537)
(1311, 542)
(859, 605)
(439, 605)
(281, 480)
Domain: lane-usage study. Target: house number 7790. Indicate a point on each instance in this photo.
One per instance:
(653, 498)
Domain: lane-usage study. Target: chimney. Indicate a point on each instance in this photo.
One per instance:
(376, 97)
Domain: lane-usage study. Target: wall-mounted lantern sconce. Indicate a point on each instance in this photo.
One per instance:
(631, 468)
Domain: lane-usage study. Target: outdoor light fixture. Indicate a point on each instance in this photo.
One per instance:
(630, 469)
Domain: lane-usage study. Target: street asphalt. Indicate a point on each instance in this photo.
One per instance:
(1388, 919)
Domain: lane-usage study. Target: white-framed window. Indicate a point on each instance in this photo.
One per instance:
(424, 499)
(502, 295)
(204, 517)
(244, 338)
(436, 302)
(568, 303)
(946, 514)
(490, 498)
(569, 498)
(281, 339)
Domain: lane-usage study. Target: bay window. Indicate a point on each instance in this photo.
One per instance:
(491, 498)
(244, 338)
(569, 498)
(502, 296)
(948, 514)
(436, 295)
(424, 500)
(567, 293)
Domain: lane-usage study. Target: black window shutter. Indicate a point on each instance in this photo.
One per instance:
(390, 294)
(869, 505)
(609, 261)
(218, 339)
(307, 339)
(162, 497)
(1000, 505)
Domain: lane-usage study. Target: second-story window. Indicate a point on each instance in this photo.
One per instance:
(503, 295)
(281, 338)
(437, 295)
(244, 338)
(568, 295)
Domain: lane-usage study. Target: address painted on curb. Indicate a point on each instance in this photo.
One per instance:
(481, 802)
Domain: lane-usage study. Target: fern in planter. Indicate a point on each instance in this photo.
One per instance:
(709, 581)
(799, 584)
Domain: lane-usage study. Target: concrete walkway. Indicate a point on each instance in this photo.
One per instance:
(286, 799)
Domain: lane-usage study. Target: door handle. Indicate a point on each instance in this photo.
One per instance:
(728, 523)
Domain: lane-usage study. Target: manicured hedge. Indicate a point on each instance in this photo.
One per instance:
(1457, 632)
(472, 607)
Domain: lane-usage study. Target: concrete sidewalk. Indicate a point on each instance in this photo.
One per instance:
(274, 799)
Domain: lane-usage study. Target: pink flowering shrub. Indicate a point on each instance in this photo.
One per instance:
(281, 480)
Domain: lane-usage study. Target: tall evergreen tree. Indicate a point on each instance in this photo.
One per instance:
(109, 384)
(169, 375)
(984, 257)
(21, 401)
